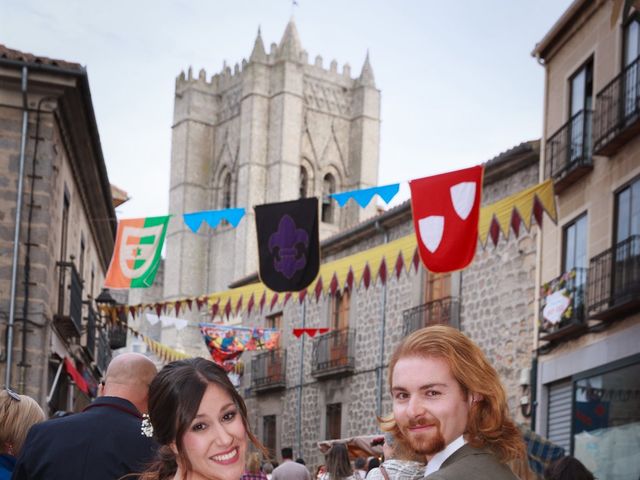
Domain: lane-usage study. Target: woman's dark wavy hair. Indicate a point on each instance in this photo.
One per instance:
(174, 398)
(338, 464)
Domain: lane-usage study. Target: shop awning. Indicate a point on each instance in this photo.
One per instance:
(76, 376)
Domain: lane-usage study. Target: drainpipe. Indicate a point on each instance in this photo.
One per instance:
(299, 420)
(16, 236)
(383, 313)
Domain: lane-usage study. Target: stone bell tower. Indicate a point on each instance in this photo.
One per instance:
(273, 128)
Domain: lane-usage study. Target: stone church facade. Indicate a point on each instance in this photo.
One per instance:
(274, 129)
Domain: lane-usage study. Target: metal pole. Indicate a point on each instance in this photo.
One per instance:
(379, 379)
(301, 381)
(16, 235)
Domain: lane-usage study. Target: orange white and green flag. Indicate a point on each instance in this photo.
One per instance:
(136, 255)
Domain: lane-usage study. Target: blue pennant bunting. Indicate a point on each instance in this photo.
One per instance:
(364, 196)
(213, 218)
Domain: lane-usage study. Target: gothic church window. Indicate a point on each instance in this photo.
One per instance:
(226, 191)
(304, 179)
(328, 187)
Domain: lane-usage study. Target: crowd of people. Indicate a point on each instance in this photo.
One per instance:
(449, 421)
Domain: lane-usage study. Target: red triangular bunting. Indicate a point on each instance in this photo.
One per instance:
(132, 311)
(382, 272)
(301, 295)
(215, 308)
(263, 300)
(399, 265)
(311, 332)
(274, 300)
(349, 282)
(227, 309)
(416, 259)
(298, 332)
(286, 299)
(366, 276)
(537, 211)
(189, 302)
(494, 231)
(516, 221)
(318, 290)
(250, 304)
(158, 309)
(239, 304)
(333, 286)
(178, 305)
(199, 302)
(323, 330)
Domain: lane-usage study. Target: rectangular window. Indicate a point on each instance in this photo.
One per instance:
(581, 104)
(269, 434)
(630, 66)
(574, 249)
(340, 303)
(606, 421)
(628, 212)
(626, 269)
(334, 421)
(438, 286)
(273, 321)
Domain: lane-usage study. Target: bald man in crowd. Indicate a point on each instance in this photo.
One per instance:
(104, 442)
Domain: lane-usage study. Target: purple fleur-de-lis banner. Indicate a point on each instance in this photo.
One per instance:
(213, 218)
(363, 197)
(288, 244)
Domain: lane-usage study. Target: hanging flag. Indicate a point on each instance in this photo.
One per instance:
(288, 244)
(136, 255)
(364, 195)
(228, 342)
(445, 217)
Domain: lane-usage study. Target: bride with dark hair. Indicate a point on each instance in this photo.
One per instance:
(200, 421)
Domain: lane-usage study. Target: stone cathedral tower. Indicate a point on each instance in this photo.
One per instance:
(272, 129)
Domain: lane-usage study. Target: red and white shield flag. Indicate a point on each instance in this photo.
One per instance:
(446, 209)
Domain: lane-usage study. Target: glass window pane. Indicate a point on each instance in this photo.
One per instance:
(635, 208)
(631, 42)
(581, 242)
(569, 247)
(606, 423)
(623, 207)
(578, 92)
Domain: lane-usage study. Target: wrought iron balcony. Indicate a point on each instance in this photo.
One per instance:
(562, 305)
(90, 338)
(104, 352)
(617, 115)
(614, 280)
(334, 354)
(443, 311)
(568, 151)
(268, 371)
(68, 318)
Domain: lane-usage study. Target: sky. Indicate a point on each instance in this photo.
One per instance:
(459, 85)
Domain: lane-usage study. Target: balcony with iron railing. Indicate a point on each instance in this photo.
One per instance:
(614, 280)
(568, 151)
(442, 311)
(333, 354)
(90, 334)
(617, 115)
(562, 306)
(68, 317)
(103, 355)
(268, 371)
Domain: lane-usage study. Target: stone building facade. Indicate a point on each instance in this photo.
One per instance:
(492, 301)
(66, 230)
(275, 128)
(588, 373)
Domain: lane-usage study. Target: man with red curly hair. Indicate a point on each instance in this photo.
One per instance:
(449, 405)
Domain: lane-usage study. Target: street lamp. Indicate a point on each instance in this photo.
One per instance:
(116, 326)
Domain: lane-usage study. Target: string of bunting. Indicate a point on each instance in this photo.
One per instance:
(367, 267)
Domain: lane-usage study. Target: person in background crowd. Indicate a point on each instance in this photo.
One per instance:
(374, 462)
(267, 468)
(200, 421)
(358, 466)
(320, 471)
(567, 468)
(18, 413)
(104, 441)
(449, 405)
(338, 464)
(290, 470)
(400, 463)
(253, 470)
(301, 461)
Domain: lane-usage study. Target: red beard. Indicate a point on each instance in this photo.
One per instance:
(424, 443)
